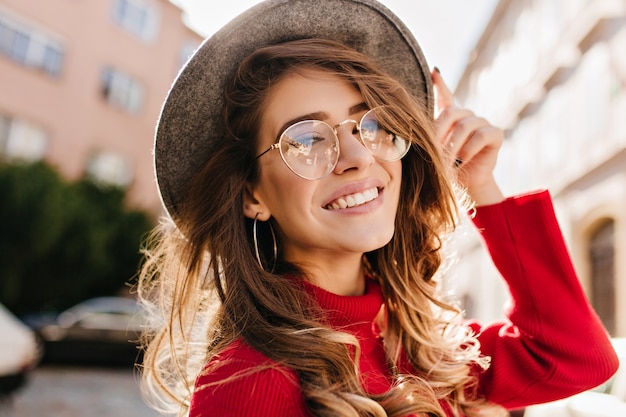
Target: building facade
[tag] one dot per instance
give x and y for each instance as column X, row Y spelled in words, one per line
column 82, row 84
column 552, row 74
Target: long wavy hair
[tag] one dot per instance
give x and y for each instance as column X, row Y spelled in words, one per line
column 205, row 289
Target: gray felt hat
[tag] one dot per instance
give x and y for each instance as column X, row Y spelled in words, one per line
column 191, row 117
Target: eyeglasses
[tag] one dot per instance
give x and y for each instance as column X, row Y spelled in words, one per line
column 310, row 148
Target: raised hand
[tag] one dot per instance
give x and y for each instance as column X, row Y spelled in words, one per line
column 471, row 143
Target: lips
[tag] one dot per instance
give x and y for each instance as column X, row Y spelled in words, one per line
column 353, row 200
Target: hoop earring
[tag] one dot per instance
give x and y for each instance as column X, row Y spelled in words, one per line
column 256, row 244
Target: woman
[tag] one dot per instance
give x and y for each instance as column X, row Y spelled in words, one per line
column 311, row 190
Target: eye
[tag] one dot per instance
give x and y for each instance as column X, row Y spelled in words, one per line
column 309, row 140
column 304, row 144
column 295, row 144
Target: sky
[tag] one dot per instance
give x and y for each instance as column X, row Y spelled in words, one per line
column 447, row 30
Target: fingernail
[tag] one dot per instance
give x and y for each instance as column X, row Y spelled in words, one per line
column 437, row 70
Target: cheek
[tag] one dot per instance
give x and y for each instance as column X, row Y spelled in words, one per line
column 396, row 190
column 284, row 192
column 394, row 170
column 289, row 202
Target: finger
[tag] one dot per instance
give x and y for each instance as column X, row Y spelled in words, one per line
column 463, row 131
column 444, row 96
column 482, row 141
column 447, row 121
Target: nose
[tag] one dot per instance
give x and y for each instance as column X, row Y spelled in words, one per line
column 352, row 152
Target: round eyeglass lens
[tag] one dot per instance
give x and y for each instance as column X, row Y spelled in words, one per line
column 381, row 142
column 310, row 149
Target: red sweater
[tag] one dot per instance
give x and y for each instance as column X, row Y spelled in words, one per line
column 552, row 345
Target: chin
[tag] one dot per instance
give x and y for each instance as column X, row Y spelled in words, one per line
column 381, row 239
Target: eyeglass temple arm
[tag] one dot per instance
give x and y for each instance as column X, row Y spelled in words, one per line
column 274, row 146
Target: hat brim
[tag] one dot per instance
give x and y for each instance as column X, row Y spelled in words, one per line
column 191, row 117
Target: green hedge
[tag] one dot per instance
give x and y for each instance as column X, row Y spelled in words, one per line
column 62, row 242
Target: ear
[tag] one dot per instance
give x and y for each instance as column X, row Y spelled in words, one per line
column 253, row 205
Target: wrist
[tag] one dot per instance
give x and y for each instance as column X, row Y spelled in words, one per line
column 486, row 194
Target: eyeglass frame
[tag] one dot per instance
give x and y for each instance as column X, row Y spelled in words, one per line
column 357, row 127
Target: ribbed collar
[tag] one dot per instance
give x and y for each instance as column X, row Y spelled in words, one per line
column 346, row 311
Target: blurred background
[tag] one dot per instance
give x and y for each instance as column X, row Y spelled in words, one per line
column 81, row 86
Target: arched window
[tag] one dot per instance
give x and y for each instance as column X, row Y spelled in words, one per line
column 602, row 257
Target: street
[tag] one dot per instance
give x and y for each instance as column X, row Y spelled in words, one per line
column 61, row 391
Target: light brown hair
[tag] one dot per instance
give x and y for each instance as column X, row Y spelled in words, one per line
column 203, row 278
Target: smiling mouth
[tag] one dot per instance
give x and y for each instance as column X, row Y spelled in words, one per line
column 353, row 200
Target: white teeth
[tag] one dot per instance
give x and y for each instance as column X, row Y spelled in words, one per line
column 353, row 200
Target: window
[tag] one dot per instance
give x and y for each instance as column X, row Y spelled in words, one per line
column 595, row 93
column 137, row 17
column 110, row 168
column 5, row 123
column 23, row 140
column 186, row 51
column 121, row 90
column 602, row 257
column 30, row 47
column 553, row 145
column 52, row 60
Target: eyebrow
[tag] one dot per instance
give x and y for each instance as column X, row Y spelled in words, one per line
column 320, row 115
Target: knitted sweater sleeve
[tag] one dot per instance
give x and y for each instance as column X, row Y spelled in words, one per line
column 243, row 382
column 553, row 345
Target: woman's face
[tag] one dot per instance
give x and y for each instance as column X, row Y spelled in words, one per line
column 315, row 225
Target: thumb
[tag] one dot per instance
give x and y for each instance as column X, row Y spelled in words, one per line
column 443, row 95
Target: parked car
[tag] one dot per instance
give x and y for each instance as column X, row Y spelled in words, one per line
column 98, row 331
column 607, row 400
column 19, row 352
